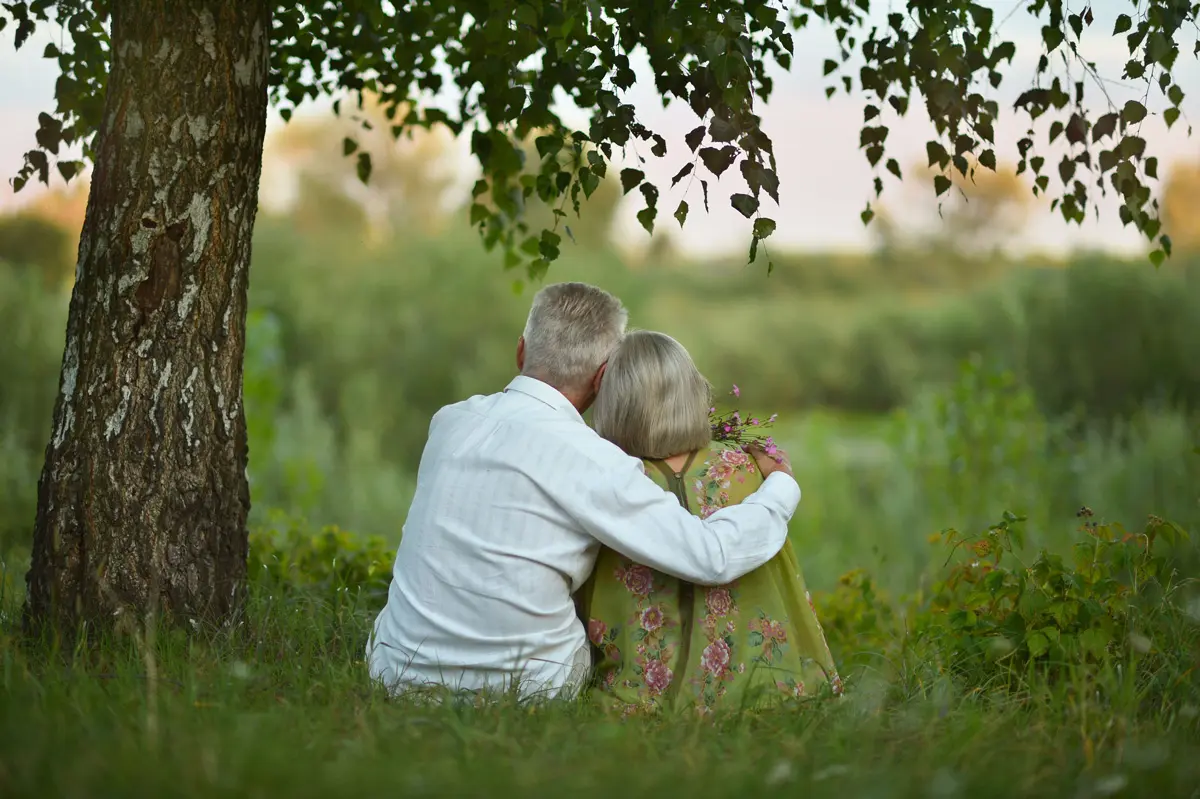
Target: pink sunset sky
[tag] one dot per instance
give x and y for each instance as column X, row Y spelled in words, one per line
column 825, row 179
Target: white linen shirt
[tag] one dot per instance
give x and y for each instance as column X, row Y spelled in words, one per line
column 515, row 494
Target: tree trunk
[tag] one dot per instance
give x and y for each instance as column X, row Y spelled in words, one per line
column 143, row 498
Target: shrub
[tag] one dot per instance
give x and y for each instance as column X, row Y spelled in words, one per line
column 332, row 565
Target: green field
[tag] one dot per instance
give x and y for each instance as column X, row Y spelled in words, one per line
column 914, row 396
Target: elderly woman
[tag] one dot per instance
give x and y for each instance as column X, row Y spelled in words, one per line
column 664, row 643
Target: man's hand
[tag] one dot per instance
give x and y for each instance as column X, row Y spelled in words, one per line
column 776, row 461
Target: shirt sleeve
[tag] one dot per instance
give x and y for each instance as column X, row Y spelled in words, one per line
column 627, row 511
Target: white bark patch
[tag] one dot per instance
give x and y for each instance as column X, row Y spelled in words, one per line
column 115, row 422
column 70, row 375
column 164, row 377
column 185, row 302
column 133, row 124
column 243, row 71
column 187, row 397
column 131, row 48
column 200, row 213
column 139, row 246
column 143, row 348
column 164, row 51
column 198, row 127
column 226, row 419
column 176, row 130
column 206, row 34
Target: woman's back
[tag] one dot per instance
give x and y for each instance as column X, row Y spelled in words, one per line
column 662, row 642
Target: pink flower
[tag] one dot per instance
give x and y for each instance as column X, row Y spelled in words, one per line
column 737, row 392
column 754, row 422
column 715, row 659
column 596, row 631
column 720, row 471
column 657, row 675
column 774, row 416
column 639, row 580
column 652, row 618
column 734, row 457
column 719, row 602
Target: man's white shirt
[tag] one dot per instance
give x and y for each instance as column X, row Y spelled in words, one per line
column 515, row 495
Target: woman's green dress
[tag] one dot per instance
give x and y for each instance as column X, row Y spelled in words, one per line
column 663, row 643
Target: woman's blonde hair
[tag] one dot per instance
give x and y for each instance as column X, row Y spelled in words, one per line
column 653, row 402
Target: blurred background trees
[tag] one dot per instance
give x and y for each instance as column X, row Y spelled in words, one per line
column 371, row 308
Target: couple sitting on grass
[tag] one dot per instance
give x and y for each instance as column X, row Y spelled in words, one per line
column 640, row 558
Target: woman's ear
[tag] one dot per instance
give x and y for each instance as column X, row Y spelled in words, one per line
column 521, row 354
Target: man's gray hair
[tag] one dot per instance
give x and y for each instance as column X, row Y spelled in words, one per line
column 571, row 331
column 653, row 401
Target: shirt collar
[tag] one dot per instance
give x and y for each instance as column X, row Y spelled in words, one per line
column 543, row 392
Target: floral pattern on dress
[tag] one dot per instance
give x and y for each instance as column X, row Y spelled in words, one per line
column 661, row 643
column 714, row 478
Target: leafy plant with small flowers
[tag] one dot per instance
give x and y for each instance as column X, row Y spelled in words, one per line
column 1113, row 608
column 745, row 431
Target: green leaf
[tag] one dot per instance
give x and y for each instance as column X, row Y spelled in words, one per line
column 1124, row 23
column 1052, row 36
column 681, row 174
column 763, row 227
column 1133, row 112
column 1175, row 94
column 867, row 215
column 1157, row 257
column 479, row 214
column 722, row 130
column 937, row 154
column 695, row 138
column 1038, row 644
column 631, row 179
column 363, row 167
column 941, row 184
column 1171, row 116
column 988, row 159
column 745, row 204
column 69, row 169
column 830, row 66
column 646, row 218
column 548, row 145
column 717, row 161
column 1094, row 641
column 1105, row 126
column 681, row 212
column 894, row 168
column 349, row 145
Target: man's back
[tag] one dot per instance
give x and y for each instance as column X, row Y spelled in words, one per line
column 482, row 585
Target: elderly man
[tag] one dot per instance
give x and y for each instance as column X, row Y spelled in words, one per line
column 515, row 494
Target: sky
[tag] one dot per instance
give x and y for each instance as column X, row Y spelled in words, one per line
column 825, row 179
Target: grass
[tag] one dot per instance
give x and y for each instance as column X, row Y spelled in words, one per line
column 281, row 706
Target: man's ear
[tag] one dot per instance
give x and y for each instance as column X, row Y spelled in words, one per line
column 521, row 354
column 599, row 377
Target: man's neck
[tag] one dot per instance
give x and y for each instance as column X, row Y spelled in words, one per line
column 579, row 400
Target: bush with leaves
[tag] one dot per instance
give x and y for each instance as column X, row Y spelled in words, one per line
column 1116, row 607
column 332, row 564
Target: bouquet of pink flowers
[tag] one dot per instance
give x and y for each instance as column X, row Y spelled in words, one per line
column 745, row 432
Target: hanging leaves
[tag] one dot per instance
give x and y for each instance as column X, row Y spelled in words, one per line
column 949, row 57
